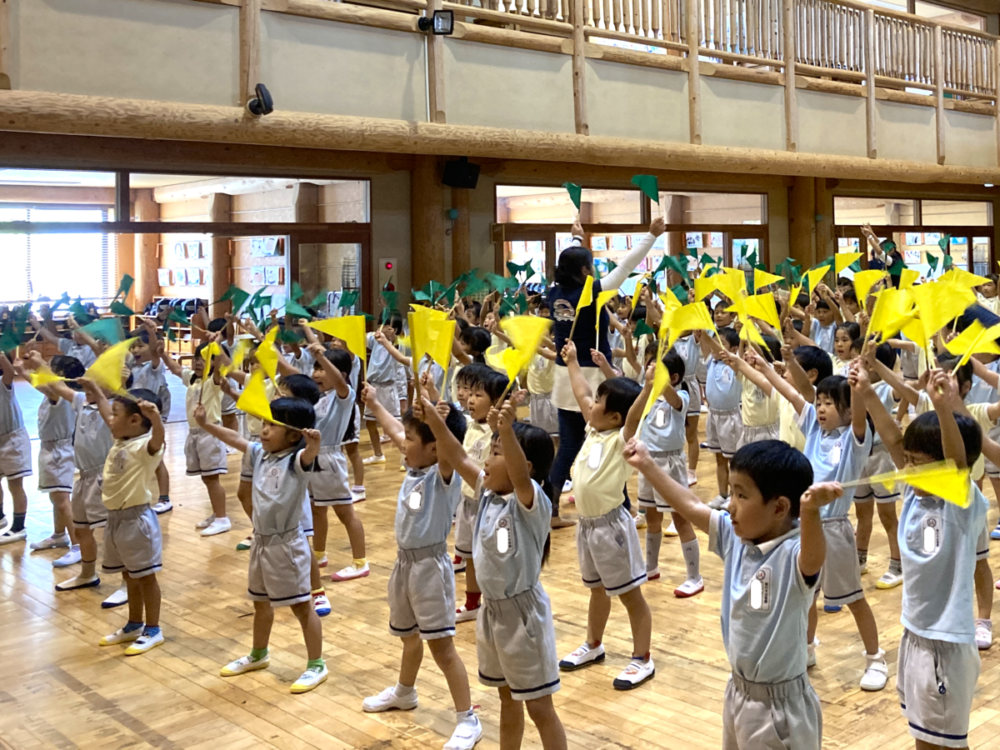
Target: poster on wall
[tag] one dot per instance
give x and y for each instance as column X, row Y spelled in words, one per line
column 163, row 276
column 914, row 238
column 256, row 247
column 619, row 242
column 193, row 250
column 912, row 257
column 257, row 275
column 179, row 251
column 932, row 238
column 599, row 243
column 271, row 275
column 693, row 240
column 715, row 239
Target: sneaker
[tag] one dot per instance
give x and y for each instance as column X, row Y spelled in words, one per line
column 387, row 700
column 4, row 522
column 70, row 558
column 692, row 478
column 218, row 526
column 245, row 664
column 310, row 680
column 51, row 542
column 582, row 657
column 811, row 651
column 718, row 502
column 358, row 494
column 703, row 446
column 121, row 636
column 864, row 569
column 117, row 599
column 373, row 460
column 350, row 573
column 385, row 439
column 636, row 673
column 640, row 520
column 704, row 408
column 876, row 672
column 832, row 608
column 230, row 450
column 145, row 643
column 654, row 574
column 467, row 734
column 458, row 564
column 890, row 579
column 321, row 604
column 984, row 634
column 322, row 562
column 671, row 530
column 402, row 467
column 464, row 614
column 163, row 506
column 9, row 537
column 690, row 587
column 567, row 486
column 206, row 523
column 78, row 582
column 245, row 544
column 995, row 534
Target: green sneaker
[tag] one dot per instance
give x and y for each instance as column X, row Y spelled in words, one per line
column 245, row 544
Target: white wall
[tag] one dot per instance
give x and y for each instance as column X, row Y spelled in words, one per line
column 628, row 101
column 831, row 124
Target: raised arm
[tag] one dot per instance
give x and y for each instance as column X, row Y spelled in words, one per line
column 581, row 389
column 885, row 425
column 617, row 277
column 100, row 399
column 812, row 540
column 799, row 377
column 745, row 367
column 985, row 373
column 602, row 362
column 634, row 417
column 514, row 458
column 789, row 392
column 943, row 391
column 392, row 426
column 150, row 412
column 859, row 404
column 340, row 384
column 171, row 364
column 308, row 455
column 393, row 351
column 43, row 330
column 682, row 500
column 7, row 369
column 227, row 436
column 450, row 453
column 900, row 388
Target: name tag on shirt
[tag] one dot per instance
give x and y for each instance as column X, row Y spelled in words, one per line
column 594, row 459
column 661, row 417
column 760, row 590
column 273, row 479
column 415, row 501
column 835, row 452
column 931, row 534
column 504, row 535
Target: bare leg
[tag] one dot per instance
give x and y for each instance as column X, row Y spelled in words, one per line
column 921, row 745
column 353, row 451
column 597, row 615
column 355, row 530
column 62, row 513
column 88, row 552
column 471, row 584
column 865, row 620
column 890, row 522
column 216, row 495
column 984, row 589
column 263, row 619
column 543, row 712
column 321, row 528
column 693, row 446
column 413, row 654
column 135, row 600
column 865, row 511
column 163, row 479
column 722, row 474
column 312, row 629
column 230, row 422
column 150, row 597
column 16, row 487
column 511, row 721
column 641, row 620
column 315, row 582
column 373, row 434
column 450, row 663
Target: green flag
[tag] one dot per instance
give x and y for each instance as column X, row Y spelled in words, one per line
column 420, row 295
column 945, row 244
column 349, row 299
column 475, row 286
column 80, row 312
column 642, row 327
column 676, row 264
column 499, row 283
column 524, row 268
column 507, row 307
column 287, row 335
column 296, row 293
column 897, row 267
column 124, row 287
column 649, row 185
column 178, row 317
column 932, row 261
column 946, row 262
column 319, row 300
column 681, row 293
column 575, row 193
column 9, row 340
column 108, row 330
column 235, row 295
column 296, row 310
column 117, row 308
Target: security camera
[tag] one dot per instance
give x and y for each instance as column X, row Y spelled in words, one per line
column 263, row 104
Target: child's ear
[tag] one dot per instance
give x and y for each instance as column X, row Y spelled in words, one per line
column 782, row 507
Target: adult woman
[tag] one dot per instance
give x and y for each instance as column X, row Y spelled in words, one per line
column 575, row 264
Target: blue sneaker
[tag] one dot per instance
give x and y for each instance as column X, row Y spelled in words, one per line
column 995, row 534
column 321, row 604
column 832, row 607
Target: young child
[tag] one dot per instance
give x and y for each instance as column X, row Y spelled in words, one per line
column 422, row 584
column 383, row 374
column 759, row 406
column 843, row 338
column 986, row 294
column 607, row 542
column 690, row 351
column 79, row 345
column 773, row 547
column 823, row 327
column 15, row 455
column 722, row 393
column 540, row 381
column 133, row 544
column 280, row 554
column 663, row 431
column 149, row 372
column 515, row 637
column 205, row 454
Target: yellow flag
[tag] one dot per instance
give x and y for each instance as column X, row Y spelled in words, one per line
column 349, row 328
column 693, row 317
column 908, row 277
column 422, row 311
column 763, row 278
column 940, row 303
column 750, row 332
column 762, row 306
column 891, row 312
column 43, row 376
column 962, row 278
column 602, row 299
column 440, row 338
column 704, row 286
column 843, row 260
column 976, row 339
column 504, row 360
column 526, row 333
column 794, row 294
column 107, row 369
column 267, row 355
column 815, row 276
column 863, row 282
column 660, row 381
column 731, row 282
column 670, row 305
column 914, row 331
column 239, row 354
column 941, row 478
column 587, row 295
column 212, row 350
column 637, row 295
column 253, row 400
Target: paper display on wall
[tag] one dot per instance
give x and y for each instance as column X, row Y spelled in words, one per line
column 163, row 276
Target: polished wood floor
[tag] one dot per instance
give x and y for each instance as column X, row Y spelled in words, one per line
column 59, row 689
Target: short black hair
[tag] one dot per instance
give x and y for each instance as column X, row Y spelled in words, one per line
column 619, row 395
column 732, row 338
column 475, row 306
column 963, row 374
column 852, row 329
column 302, row 387
column 885, row 354
column 472, row 373
column 822, row 305
column 339, row 358
column 297, row 413
column 216, row 324
column 638, row 314
column 814, row 358
column 674, row 363
column 771, row 349
column 395, row 322
column 67, row 367
column 131, row 405
column 776, row 468
column 923, row 435
column 838, row 390
column 492, row 382
column 477, row 339
column 461, row 324
column 850, row 294
column 797, row 324
column 455, row 422
column 142, row 335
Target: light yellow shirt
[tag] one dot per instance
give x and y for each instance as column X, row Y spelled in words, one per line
column 478, row 438
column 600, row 473
column 209, row 394
column 541, row 375
column 788, row 424
column 640, row 355
column 129, row 471
column 256, row 424
column 757, row 409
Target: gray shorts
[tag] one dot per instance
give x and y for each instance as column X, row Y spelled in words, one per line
column 840, row 579
column 673, row 463
column 983, row 542
column 228, row 405
column 15, row 454
column 279, row 569
column 88, row 508
column 306, row 519
column 385, row 394
column 205, row 454
column 723, row 430
column 164, row 394
column 422, row 593
column 328, row 485
column 465, row 524
column 609, row 552
column 133, row 543
column 935, row 681
column 879, row 462
column 542, row 412
column 694, row 394
column 775, row 716
column 516, row 644
column 750, row 434
column 401, row 389
column 356, row 423
column 56, row 465
column 992, row 470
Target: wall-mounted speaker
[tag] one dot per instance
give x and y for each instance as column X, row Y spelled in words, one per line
column 459, row 173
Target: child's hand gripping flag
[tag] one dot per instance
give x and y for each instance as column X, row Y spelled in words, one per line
column 941, row 478
column 107, row 369
column 267, row 355
column 43, row 376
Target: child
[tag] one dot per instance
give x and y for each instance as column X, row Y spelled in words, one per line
column 986, row 294
column 148, row 372
column 205, row 454
column 383, row 374
column 280, row 554
column 688, row 348
column 663, row 431
column 823, row 327
column 541, row 379
column 422, row 584
column 79, row 345
column 843, row 337
column 15, row 455
column 515, row 637
column 722, row 392
column 773, row 546
column 759, row 412
column 133, row 545
column 607, row 543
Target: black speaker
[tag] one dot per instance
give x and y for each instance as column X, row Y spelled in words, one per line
column 460, row 174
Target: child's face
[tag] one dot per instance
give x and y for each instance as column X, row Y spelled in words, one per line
column 722, row 318
column 842, row 345
column 824, row 316
column 462, row 392
column 139, row 350
column 389, row 332
column 989, row 289
column 489, row 320
column 853, row 306
column 915, row 458
column 274, row 438
column 602, row 420
column 495, row 476
column 624, row 310
column 124, row 424
column 322, row 378
column 479, row 403
column 417, row 453
column 827, row 415
column 544, row 312
column 470, row 315
column 753, row 519
column 198, row 365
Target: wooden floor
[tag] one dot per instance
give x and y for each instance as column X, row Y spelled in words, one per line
column 59, row 689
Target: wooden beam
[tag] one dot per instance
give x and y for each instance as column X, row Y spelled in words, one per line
column 123, row 196
column 579, row 71
column 694, row 74
column 347, row 13
column 130, row 118
column 186, row 191
column 5, row 44
column 435, row 71
column 146, row 260
column 823, row 214
column 426, row 222
column 791, row 101
column 220, row 212
column 996, row 82
column 802, row 221
column 249, row 49
column 461, row 233
column 939, row 121
column 870, row 126
column 144, row 226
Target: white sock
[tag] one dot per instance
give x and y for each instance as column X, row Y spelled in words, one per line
column 653, row 542
column 691, row 559
column 469, row 715
column 402, row 690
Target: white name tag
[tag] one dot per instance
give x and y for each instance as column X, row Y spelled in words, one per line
column 661, row 417
column 594, row 460
column 760, row 590
column 835, row 452
column 931, row 534
column 415, row 500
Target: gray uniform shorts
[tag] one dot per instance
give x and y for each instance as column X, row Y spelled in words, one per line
column 228, row 405
column 88, row 507
column 356, row 422
column 328, row 485
column 385, row 394
column 609, row 552
column 983, row 542
column 422, row 593
column 516, row 644
column 723, row 430
column 15, row 455
column 543, row 413
column 840, row 578
column 132, row 542
column 992, row 470
column 694, row 400
column 205, row 454
column 935, row 681
column 879, row 462
column 465, row 524
column 279, row 569
column 776, row 716
column 56, row 465
column 673, row 463
column 750, row 434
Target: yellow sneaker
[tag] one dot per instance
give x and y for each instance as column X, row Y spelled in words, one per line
column 310, row 680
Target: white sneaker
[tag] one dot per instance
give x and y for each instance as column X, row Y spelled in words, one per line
column 163, row 506
column 463, row 614
column 144, row 643
column 51, row 542
column 70, row 558
column 4, row 522
column 120, row 636
column 78, row 582
column 117, row 599
column 811, row 653
column 567, row 486
column 321, row 603
column 636, row 673
column 654, row 574
column 350, row 573
column 718, row 502
column 863, row 567
column 671, row 530
column 692, row 478
column 206, row 523
column 467, row 734
column 458, row 564
column 984, row 634
column 310, row 680
column 230, row 450
column 373, row 460
column 690, row 587
column 358, row 494
column 322, row 562
column 9, row 537
column 876, row 671
column 582, row 657
column 889, row 580
column 218, row 526
column 640, row 521
column 243, row 665
column 388, row 700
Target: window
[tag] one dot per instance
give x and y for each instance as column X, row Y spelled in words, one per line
column 714, row 208
column 955, row 213
column 519, row 204
column 874, row 211
column 941, row 14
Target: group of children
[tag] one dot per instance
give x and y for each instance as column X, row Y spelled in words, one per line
column 793, row 423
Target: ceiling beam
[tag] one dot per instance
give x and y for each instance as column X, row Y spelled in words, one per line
column 187, row 191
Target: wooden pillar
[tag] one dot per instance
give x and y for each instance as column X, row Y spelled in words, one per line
column 870, row 83
column 125, row 248
column 694, row 74
column 791, row 102
column 996, row 94
column 939, row 92
column 147, row 260
column 676, row 241
column 426, row 222
column 249, row 49
column 435, row 68
column 802, row 221
column 308, row 260
column 5, row 37
column 461, row 233
column 220, row 210
column 826, row 244
column 579, row 70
